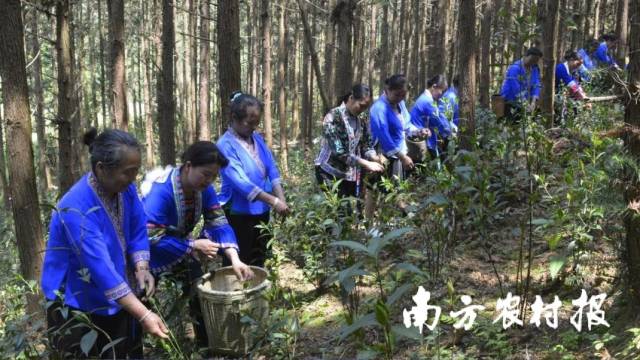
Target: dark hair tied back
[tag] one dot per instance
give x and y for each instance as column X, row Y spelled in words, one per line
column 107, row 148
column 358, row 91
column 534, row 51
column 438, row 80
column 395, row 82
column 204, row 153
column 240, row 102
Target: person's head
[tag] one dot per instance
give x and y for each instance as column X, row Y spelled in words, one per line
column 358, row 99
column 245, row 113
column 201, row 163
column 591, row 46
column 115, row 158
column 396, row 88
column 437, row 85
column 611, row 39
column 455, row 81
column 573, row 59
column 532, row 56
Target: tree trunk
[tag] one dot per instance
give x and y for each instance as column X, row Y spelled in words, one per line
column 24, row 195
column 439, row 52
column 329, row 54
column 314, row 57
column 4, row 182
column 166, row 101
column 282, row 79
column 304, row 87
column 385, row 57
column 596, row 18
column 371, row 58
column 506, row 32
column 621, row 30
column 190, row 80
column 266, row 71
column 294, row 80
column 467, row 54
column 44, row 172
column 632, row 141
column 118, row 72
column 416, row 81
column 228, row 28
column 204, row 129
column 485, row 42
column 103, row 81
column 577, row 36
column 550, row 34
column 67, row 104
column 342, row 16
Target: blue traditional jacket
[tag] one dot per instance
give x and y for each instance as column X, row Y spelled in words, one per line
column 520, row 86
column 587, row 65
column 171, row 219
column 426, row 114
column 93, row 247
column 251, row 170
column 388, row 129
column 602, row 55
column 449, row 105
column 565, row 78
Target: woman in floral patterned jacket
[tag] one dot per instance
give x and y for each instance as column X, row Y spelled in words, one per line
column 346, row 143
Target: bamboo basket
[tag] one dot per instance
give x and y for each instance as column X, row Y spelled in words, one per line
column 224, row 300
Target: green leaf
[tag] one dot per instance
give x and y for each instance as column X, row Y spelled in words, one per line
column 554, row 240
column 410, row 267
column 541, row 221
column 377, row 244
column 356, row 246
column 408, row 333
column 111, row 344
column 361, row 322
column 555, row 265
column 437, row 199
column 88, row 340
column 382, row 313
column 397, row 294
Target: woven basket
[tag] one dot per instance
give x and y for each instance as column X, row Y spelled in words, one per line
column 224, row 300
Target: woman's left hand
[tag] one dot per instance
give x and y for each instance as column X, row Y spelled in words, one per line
column 146, row 282
column 243, row 271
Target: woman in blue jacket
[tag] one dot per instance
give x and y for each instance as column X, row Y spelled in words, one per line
column 97, row 256
column 251, row 184
column 426, row 114
column 175, row 199
column 521, row 86
column 391, row 125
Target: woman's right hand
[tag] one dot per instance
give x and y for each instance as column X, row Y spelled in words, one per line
column 372, row 166
column 406, row 161
column 206, row 247
column 154, row 325
column 281, row 207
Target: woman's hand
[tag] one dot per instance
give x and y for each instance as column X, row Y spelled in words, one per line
column 145, row 281
column 242, row 270
column 206, row 247
column 154, row 325
column 406, row 161
column 372, row 166
column 280, row 206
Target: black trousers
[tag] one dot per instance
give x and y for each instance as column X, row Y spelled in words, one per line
column 65, row 331
column 251, row 240
column 187, row 273
column 345, row 189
